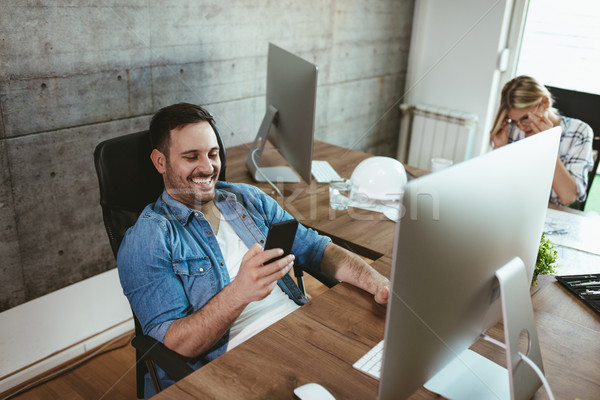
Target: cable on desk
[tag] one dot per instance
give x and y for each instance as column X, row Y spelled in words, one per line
column 528, row 360
column 262, row 174
column 298, row 273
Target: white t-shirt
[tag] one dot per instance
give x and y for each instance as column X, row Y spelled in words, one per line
column 259, row 314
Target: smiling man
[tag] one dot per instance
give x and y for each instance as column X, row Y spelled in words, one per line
column 190, row 165
column 193, row 267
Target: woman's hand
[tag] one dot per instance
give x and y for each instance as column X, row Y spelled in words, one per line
column 539, row 123
column 500, row 138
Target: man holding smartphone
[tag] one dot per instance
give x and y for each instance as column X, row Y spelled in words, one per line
column 193, row 267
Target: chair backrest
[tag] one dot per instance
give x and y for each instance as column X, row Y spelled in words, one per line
column 129, row 181
column 583, row 106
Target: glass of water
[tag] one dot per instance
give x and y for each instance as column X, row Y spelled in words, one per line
column 339, row 194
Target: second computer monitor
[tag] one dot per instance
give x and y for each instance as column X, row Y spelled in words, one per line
column 289, row 118
column 462, row 225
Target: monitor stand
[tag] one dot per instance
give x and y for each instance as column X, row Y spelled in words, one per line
column 266, row 174
column 472, row 376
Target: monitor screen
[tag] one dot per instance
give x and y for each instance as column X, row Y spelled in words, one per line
column 459, row 226
column 289, row 118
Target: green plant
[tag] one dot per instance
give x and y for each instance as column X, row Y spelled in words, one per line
column 546, row 259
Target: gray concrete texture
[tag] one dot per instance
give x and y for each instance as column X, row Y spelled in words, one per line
column 73, row 73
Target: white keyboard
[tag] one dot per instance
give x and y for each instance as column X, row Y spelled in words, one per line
column 324, row 172
column 370, row 363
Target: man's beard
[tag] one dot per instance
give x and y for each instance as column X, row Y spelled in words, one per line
column 188, row 192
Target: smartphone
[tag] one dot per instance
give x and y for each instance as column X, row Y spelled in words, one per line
column 281, row 235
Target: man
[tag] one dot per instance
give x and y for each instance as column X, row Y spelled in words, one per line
column 193, row 267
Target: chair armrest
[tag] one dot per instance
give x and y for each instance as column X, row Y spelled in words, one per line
column 169, row 361
column 324, row 278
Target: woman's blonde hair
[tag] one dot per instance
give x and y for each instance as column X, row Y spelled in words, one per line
column 520, row 92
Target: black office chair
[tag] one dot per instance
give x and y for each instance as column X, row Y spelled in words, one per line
column 583, row 106
column 128, row 182
column 594, row 171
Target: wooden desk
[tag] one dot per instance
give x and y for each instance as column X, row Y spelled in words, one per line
column 309, row 204
column 320, row 341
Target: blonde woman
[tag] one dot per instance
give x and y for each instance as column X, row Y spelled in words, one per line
column 526, row 109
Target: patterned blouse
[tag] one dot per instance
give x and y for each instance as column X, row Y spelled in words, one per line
column 575, row 152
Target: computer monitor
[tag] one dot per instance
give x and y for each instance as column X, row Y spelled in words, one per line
column 289, row 118
column 460, row 226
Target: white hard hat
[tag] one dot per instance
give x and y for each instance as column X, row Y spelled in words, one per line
column 378, row 179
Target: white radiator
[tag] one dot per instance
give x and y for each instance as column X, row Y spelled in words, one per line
column 428, row 132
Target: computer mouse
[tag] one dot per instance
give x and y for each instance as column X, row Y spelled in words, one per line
column 313, row 391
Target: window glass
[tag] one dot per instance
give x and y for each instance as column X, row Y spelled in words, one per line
column 561, row 44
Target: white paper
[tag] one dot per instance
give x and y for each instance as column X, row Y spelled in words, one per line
column 573, row 230
column 390, row 210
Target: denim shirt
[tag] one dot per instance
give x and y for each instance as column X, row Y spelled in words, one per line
column 170, row 263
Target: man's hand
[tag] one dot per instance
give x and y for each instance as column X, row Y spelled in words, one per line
column 257, row 276
column 382, row 296
column 348, row 267
column 194, row 334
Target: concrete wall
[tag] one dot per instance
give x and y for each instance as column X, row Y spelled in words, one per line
column 73, row 73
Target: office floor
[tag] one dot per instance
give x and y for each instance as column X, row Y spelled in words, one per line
column 110, row 375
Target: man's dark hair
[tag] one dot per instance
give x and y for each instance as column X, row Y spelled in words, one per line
column 173, row 117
